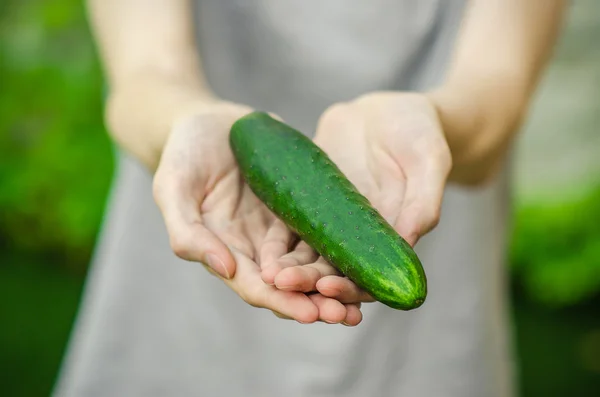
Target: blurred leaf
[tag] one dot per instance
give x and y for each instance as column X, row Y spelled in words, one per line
column 56, row 160
column 556, row 250
column 55, row 157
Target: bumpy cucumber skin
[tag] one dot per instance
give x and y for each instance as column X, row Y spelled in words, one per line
column 309, row 193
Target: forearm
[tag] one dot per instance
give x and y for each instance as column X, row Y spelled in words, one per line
column 152, row 67
column 501, row 51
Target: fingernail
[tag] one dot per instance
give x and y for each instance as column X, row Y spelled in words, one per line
column 217, row 265
column 345, row 323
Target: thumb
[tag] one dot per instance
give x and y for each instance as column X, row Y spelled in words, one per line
column 189, row 238
column 421, row 207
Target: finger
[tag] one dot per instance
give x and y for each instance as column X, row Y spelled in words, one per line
column 255, row 228
column 426, row 167
column 304, row 278
column 390, row 181
column 276, row 243
column 353, row 315
column 248, row 284
column 303, row 254
column 257, row 219
column 342, row 289
column 189, row 238
column 421, row 208
column 281, row 315
column 331, row 311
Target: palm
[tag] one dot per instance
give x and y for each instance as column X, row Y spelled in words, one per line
column 235, row 215
column 367, row 164
column 208, row 208
column 392, row 148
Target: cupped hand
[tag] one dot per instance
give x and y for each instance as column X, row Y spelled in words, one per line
column 392, row 147
column 212, row 216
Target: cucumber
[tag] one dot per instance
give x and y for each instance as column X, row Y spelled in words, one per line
column 302, row 186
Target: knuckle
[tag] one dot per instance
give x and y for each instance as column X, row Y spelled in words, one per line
column 274, row 241
column 181, row 247
column 335, row 113
column 445, row 158
column 157, row 187
column 438, row 156
column 251, row 297
column 431, row 219
column 434, row 218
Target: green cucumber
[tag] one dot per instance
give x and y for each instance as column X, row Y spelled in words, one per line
column 302, row 186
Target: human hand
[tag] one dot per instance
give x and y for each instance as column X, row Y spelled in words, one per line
column 392, row 147
column 212, row 216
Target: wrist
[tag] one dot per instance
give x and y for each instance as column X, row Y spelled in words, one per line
column 479, row 122
column 140, row 113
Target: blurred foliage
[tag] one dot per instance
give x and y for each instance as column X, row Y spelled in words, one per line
column 56, row 164
column 38, row 302
column 55, row 158
column 555, row 250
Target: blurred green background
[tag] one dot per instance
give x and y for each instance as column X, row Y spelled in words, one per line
column 56, row 164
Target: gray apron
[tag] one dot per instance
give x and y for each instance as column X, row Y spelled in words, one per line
column 153, row 325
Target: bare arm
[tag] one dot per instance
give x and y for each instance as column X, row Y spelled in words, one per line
column 501, row 52
column 162, row 111
column 153, row 69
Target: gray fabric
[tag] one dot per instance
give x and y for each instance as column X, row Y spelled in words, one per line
column 153, row 325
